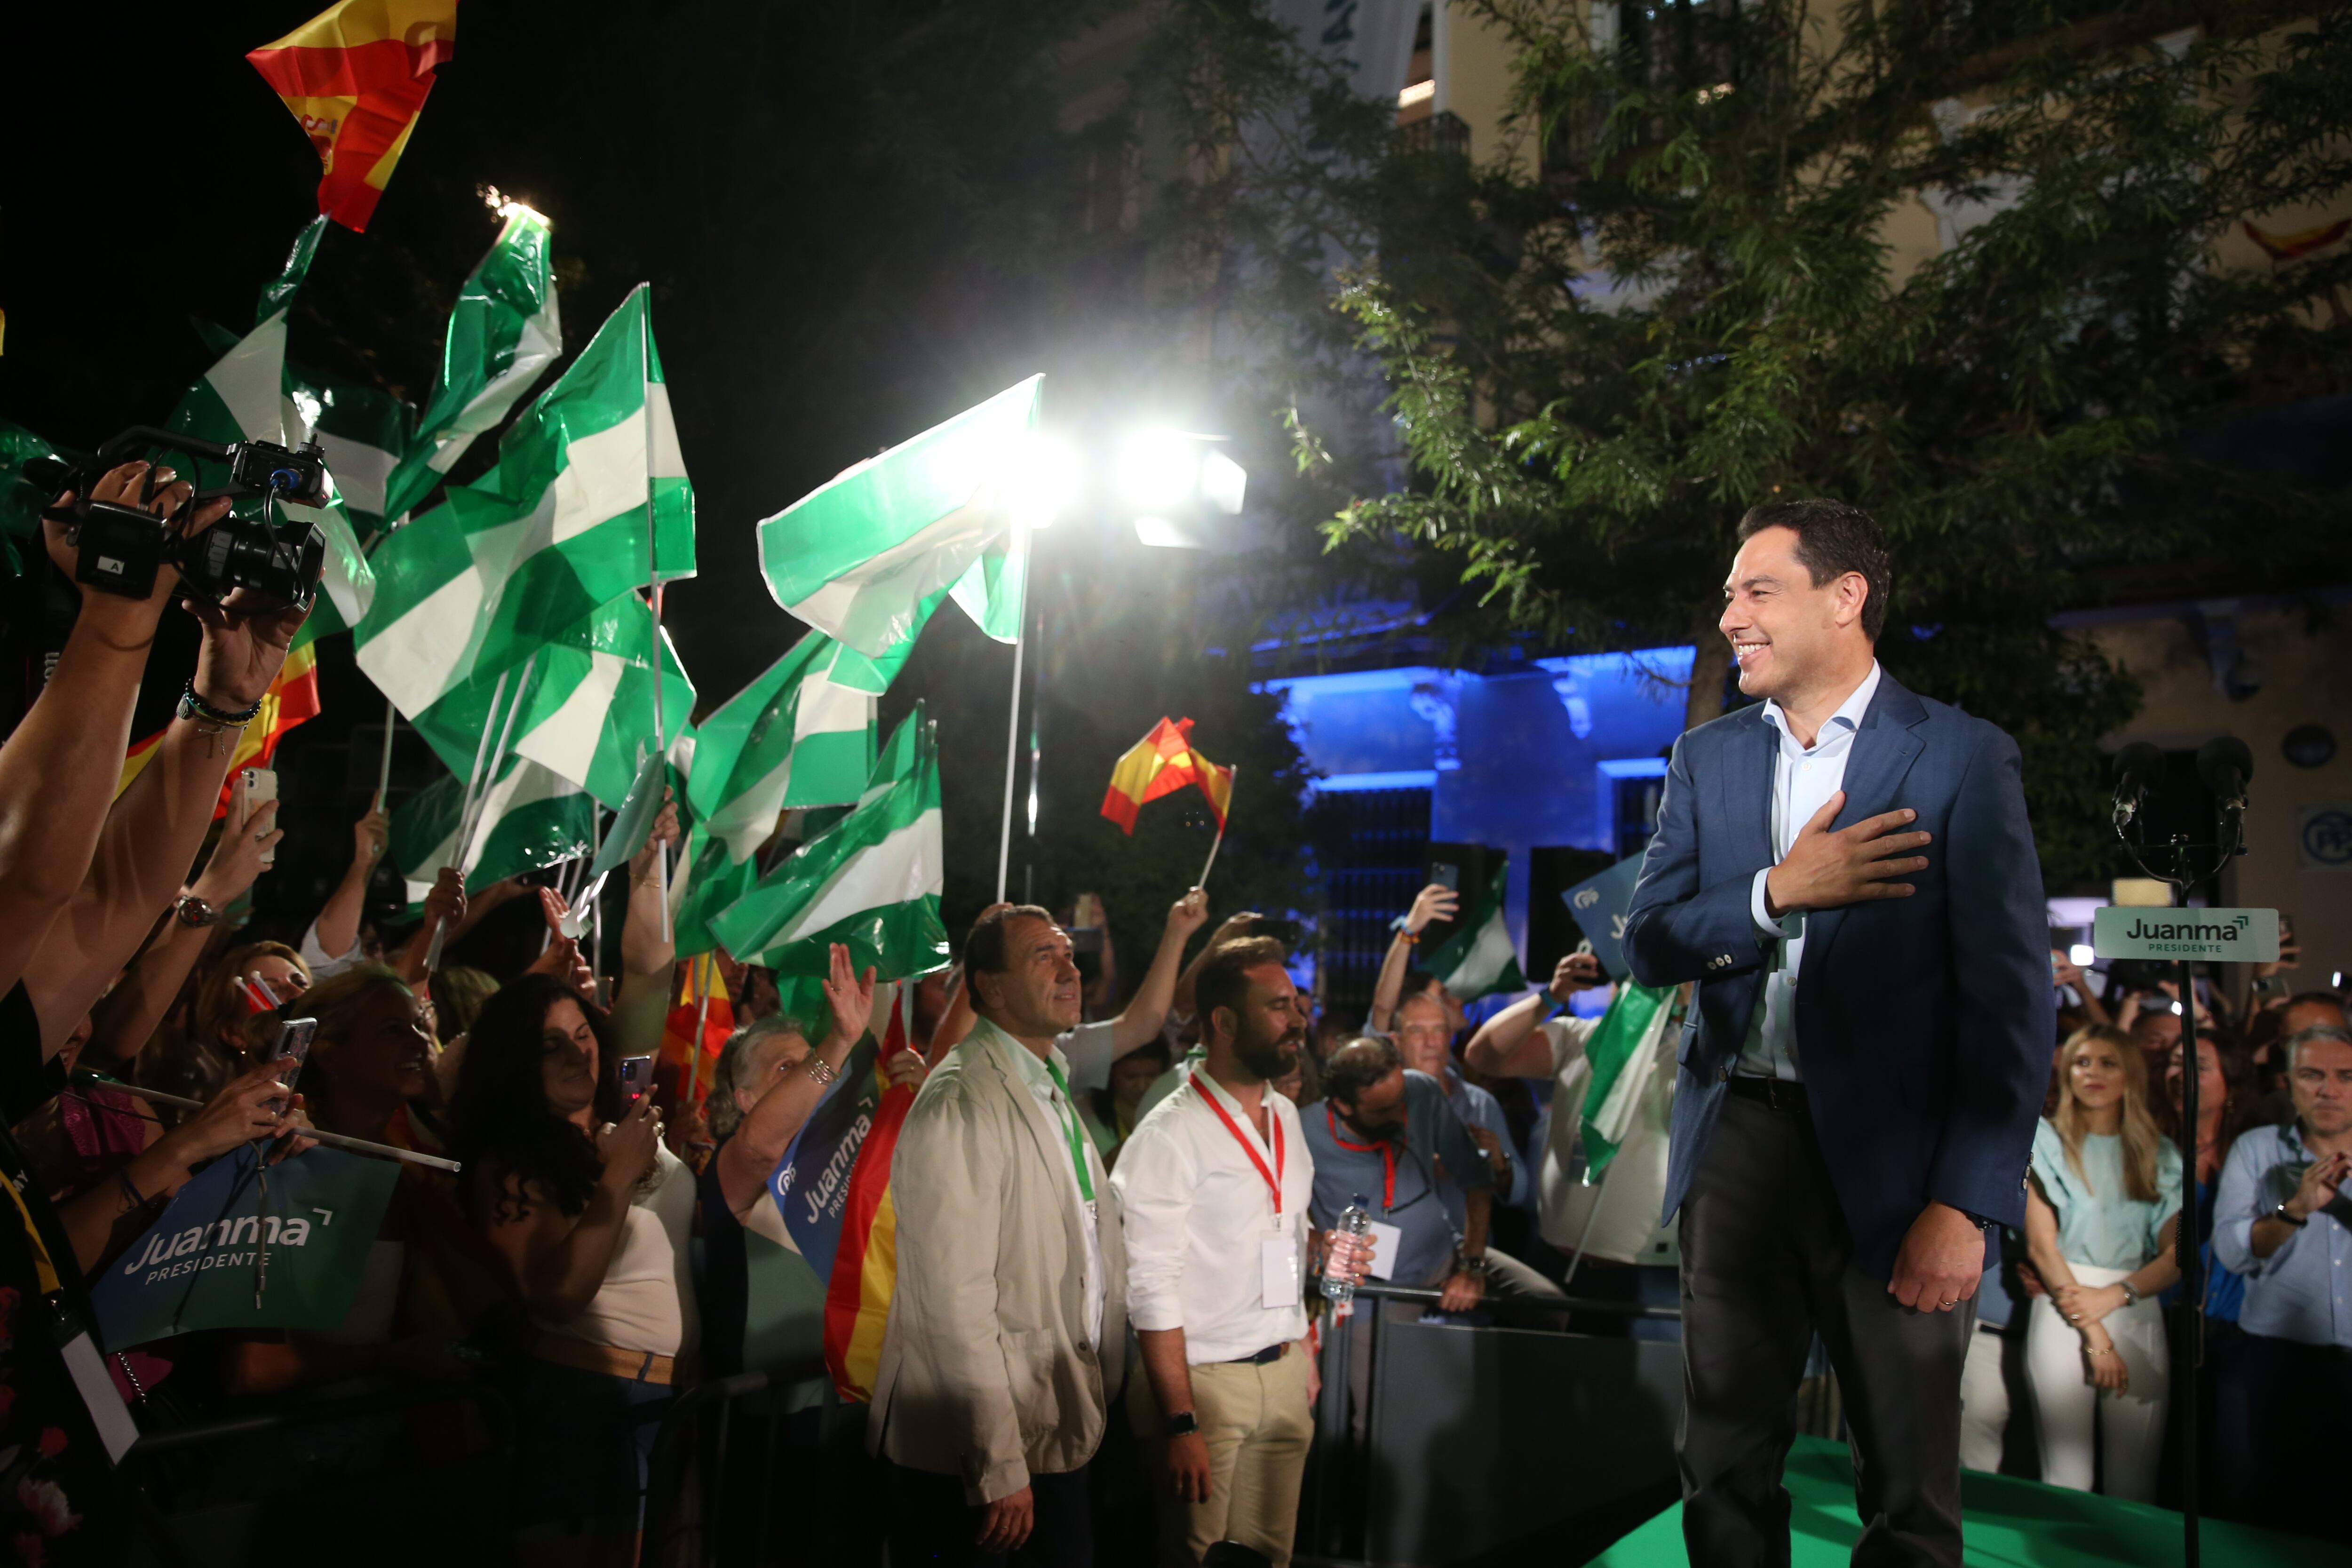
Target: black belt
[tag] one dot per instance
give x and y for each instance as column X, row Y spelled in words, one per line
column 1266, row 1357
column 1777, row 1093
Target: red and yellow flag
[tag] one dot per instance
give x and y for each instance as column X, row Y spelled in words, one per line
column 292, row 698
column 356, row 75
column 702, row 982
column 1160, row 764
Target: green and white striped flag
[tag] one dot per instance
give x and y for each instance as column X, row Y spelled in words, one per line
column 532, row 819
column 1624, row 1052
column 557, row 530
column 872, row 880
column 587, row 708
column 247, row 396
column 361, row 431
column 866, row 557
column 1480, row 959
column 503, row 335
column 797, row 736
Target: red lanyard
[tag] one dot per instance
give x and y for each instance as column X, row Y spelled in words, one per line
column 1388, row 1158
column 1273, row 1177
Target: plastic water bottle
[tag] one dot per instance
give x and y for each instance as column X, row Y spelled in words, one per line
column 1348, row 1244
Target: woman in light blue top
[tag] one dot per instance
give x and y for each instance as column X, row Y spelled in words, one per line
column 2098, row 1226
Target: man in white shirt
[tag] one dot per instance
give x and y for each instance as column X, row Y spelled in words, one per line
column 1214, row 1187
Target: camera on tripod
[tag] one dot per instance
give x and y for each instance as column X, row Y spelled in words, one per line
column 119, row 547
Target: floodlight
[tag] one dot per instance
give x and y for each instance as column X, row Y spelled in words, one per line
column 1041, row 482
column 2080, row 955
column 1158, row 471
column 1221, row 483
column 1162, row 534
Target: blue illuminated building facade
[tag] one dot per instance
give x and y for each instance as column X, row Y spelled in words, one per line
column 1560, row 752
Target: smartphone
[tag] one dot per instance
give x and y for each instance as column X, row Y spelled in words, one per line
column 260, row 790
column 294, row 1037
column 1444, row 876
column 637, row 1077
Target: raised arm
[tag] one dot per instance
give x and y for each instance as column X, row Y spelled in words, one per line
column 152, row 832
column 748, row 1158
column 338, row 926
column 1147, row 1010
column 1434, row 902
column 559, row 1260
column 59, row 770
column 1508, row 1045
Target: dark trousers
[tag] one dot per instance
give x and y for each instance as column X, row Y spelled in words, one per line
column 1767, row 1265
column 932, row 1523
column 2296, row 1395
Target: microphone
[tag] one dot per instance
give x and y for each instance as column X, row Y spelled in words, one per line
column 2225, row 764
column 2135, row 767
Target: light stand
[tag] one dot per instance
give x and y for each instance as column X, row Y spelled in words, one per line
column 2225, row 764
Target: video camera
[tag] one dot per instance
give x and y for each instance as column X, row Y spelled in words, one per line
column 119, row 547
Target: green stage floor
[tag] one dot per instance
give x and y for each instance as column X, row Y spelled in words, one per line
column 2011, row 1524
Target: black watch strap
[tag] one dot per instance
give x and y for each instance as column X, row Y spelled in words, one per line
column 1183, row 1423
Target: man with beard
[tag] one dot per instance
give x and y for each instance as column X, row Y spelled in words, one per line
column 1214, row 1187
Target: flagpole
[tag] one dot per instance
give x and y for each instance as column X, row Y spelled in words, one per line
column 653, row 572
column 1011, row 748
column 465, row 814
column 701, row 1018
column 1215, row 843
column 472, row 823
column 593, row 892
column 384, row 768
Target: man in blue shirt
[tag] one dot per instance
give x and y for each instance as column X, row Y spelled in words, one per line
column 2284, row 1221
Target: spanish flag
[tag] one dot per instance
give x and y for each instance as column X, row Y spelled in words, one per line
column 1161, row 764
column 356, row 75
column 701, row 983
column 292, row 698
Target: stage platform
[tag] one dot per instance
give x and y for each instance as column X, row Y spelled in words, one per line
column 2011, row 1524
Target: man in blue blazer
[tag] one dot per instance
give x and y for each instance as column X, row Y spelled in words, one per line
column 1847, row 872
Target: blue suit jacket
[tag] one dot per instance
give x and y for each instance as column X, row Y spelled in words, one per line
column 1923, row 1024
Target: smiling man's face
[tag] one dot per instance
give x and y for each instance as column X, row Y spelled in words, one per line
column 1784, row 628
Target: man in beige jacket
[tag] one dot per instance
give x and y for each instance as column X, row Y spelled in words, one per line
column 1007, row 1331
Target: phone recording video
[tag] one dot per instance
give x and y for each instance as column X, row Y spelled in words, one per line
column 637, row 1077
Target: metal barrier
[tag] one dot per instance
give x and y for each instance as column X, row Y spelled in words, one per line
column 691, row 1507
column 1444, row 1443
column 242, row 1531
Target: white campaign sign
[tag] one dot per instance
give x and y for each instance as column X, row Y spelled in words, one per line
column 2210, row 936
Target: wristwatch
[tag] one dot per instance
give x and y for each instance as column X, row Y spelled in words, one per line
column 194, row 912
column 2280, row 1215
column 2131, row 1293
column 1183, row 1423
column 1473, row 1266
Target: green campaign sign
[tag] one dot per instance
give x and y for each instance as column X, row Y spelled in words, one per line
column 242, row 1247
column 2205, row 936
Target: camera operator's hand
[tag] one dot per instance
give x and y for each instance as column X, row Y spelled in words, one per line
column 237, row 859
column 123, row 485
column 246, row 638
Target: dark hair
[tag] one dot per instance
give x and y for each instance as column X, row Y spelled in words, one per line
column 499, row 1115
column 984, row 950
column 1833, row 539
column 1357, row 1065
column 1224, row 979
column 1105, row 1099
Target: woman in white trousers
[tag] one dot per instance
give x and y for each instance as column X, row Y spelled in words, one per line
column 2098, row 1226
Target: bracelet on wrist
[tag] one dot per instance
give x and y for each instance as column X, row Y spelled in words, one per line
column 194, row 706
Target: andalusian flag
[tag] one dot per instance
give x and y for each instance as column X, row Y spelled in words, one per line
column 586, row 702
column 1480, row 959
column 797, row 736
column 872, row 880
column 589, row 501
column 868, row 556
column 532, row 819
column 503, row 335
column 356, row 75
column 832, row 1187
column 1624, row 1052
column 1161, row 764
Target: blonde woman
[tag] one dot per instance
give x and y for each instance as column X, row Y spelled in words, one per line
column 2099, row 1228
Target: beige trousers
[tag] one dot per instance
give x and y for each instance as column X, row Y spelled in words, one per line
column 1257, row 1424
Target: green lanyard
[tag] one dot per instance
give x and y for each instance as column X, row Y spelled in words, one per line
column 1069, row 1119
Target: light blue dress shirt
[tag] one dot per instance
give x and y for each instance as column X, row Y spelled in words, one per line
column 2304, row 1291
column 1802, row 781
column 2098, row 1223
